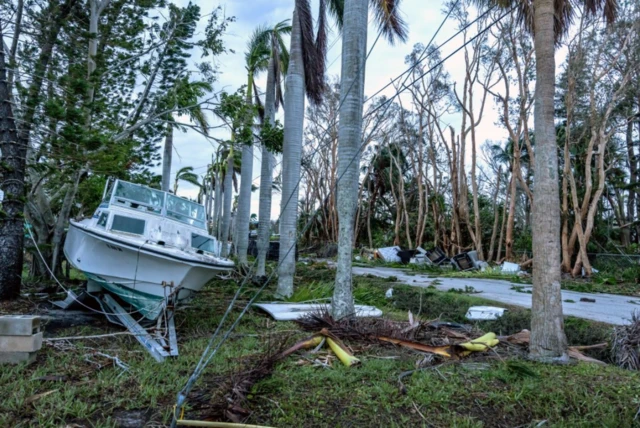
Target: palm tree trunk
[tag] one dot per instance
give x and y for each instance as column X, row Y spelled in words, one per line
column 354, row 45
column 244, row 198
column 226, row 216
column 217, row 204
column 547, row 324
column 496, row 216
column 264, row 210
column 166, row 159
column 291, row 155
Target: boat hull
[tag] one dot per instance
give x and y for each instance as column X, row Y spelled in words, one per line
column 140, row 273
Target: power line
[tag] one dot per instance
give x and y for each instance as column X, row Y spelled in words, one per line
column 182, row 395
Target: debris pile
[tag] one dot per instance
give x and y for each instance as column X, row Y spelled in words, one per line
column 626, row 344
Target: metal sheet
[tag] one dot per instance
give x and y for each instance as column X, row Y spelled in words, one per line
column 293, row 311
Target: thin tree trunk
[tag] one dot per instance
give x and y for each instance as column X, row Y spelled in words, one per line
column 502, row 227
column 226, row 216
column 63, row 219
column 266, row 174
column 217, row 204
column 508, row 244
column 354, row 44
column 496, row 216
column 166, row 159
column 291, row 155
column 14, row 44
column 547, row 323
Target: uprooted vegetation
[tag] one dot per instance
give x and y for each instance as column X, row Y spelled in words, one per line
column 72, row 383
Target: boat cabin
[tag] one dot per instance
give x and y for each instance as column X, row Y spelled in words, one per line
column 134, row 210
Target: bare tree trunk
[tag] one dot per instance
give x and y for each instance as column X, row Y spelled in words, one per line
column 496, row 216
column 63, row 218
column 511, row 216
column 502, row 227
column 166, row 159
column 354, row 44
column 547, row 323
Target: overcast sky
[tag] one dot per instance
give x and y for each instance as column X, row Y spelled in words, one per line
column 385, row 63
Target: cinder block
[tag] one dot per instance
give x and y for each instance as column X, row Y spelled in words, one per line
column 21, row 343
column 19, row 325
column 17, row 357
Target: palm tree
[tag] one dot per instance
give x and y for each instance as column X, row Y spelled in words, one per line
column 187, row 175
column 184, row 94
column 549, row 21
column 257, row 60
column 278, row 63
column 354, row 46
column 305, row 75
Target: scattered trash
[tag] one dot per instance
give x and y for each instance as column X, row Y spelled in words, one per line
column 588, row 300
column 420, row 257
column 482, row 343
column 437, row 257
column 388, row 254
column 389, row 293
column 508, row 267
column 294, row 311
column 483, row 313
column 357, row 258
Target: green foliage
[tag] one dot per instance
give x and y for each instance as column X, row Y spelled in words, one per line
column 272, row 136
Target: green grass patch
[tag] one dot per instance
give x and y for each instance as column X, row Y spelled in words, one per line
column 88, row 390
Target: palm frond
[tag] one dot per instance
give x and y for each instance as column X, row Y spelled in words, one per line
column 608, row 8
column 336, row 9
column 389, row 21
column 313, row 85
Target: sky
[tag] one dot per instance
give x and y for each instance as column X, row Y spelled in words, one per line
column 384, row 64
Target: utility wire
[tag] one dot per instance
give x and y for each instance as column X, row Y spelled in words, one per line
column 182, row 395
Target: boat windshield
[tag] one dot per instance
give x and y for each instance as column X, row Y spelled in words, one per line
column 139, row 197
column 203, row 243
column 185, row 211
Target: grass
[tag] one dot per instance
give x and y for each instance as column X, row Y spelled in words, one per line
column 492, row 393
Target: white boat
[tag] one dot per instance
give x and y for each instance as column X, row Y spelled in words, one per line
column 148, row 247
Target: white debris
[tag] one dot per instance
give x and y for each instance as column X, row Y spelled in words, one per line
column 293, row 311
column 508, row 267
column 389, row 254
column 479, row 313
column 389, row 293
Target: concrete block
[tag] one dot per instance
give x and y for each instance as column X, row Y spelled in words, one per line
column 21, row 343
column 19, row 325
column 17, row 357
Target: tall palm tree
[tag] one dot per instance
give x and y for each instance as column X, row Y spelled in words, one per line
column 549, row 21
column 354, row 50
column 278, row 63
column 305, row 76
column 187, row 175
column 257, row 60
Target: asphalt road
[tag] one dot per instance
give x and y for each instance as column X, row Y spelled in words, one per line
column 609, row 308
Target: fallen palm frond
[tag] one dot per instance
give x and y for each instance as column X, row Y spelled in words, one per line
column 625, row 351
column 371, row 329
column 445, row 351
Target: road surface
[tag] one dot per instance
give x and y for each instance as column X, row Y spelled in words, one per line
column 609, row 308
